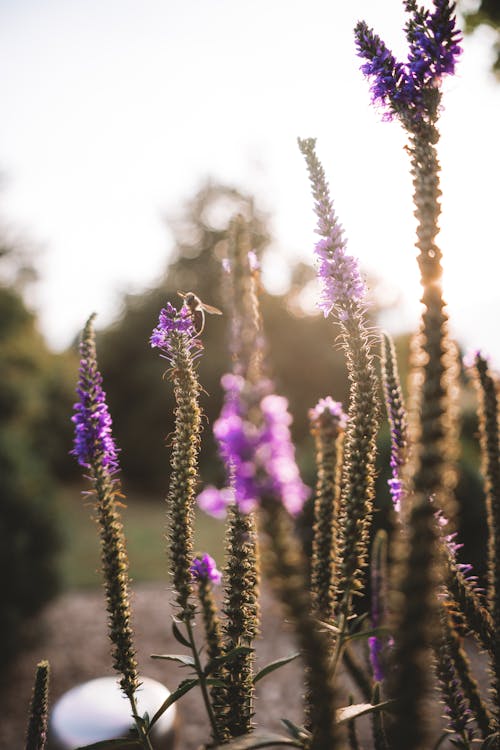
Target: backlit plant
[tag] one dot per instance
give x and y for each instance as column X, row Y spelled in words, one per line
column 422, row 601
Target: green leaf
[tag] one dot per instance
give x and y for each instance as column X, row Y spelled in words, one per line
column 124, row 742
column 184, row 687
column 251, row 741
column 349, row 713
column 274, row 665
column 184, row 659
column 179, row 636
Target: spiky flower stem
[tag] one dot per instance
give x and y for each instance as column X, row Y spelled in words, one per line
column 470, row 605
column 241, row 603
column 213, row 640
column 36, row 735
column 415, row 627
column 184, row 477
column 327, row 426
column 396, row 414
column 95, row 449
column 435, row 433
column 343, row 293
column 286, row 572
column 490, row 452
column 358, row 470
column 461, row 663
column 456, row 706
column 379, row 594
column 241, row 624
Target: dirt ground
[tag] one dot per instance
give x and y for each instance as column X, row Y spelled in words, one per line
column 72, row 636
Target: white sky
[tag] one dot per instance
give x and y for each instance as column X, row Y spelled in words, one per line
column 114, row 111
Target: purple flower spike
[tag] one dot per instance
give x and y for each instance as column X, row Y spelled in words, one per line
column 204, row 568
column 409, row 89
column 93, row 437
column 260, row 458
column 214, row 501
column 341, row 282
column 172, row 325
column 327, row 407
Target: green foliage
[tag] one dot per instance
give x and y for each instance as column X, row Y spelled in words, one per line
column 28, row 536
column 487, row 12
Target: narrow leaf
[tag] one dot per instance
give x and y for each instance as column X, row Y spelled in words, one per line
column 186, row 660
column 183, row 688
column 251, row 741
column 274, row 665
column 124, row 742
column 349, row 713
column 179, row 636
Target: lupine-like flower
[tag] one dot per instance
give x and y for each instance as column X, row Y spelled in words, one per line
column 95, row 449
column 261, row 456
column 397, row 419
column 338, row 272
column 93, row 438
column 176, row 337
column 205, row 568
column 410, row 90
column 215, row 501
column 173, row 327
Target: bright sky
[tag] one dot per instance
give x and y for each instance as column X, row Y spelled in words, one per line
column 114, row 111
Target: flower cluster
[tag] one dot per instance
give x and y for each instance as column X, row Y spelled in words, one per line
column 341, row 282
column 172, row 325
column 410, row 89
column 327, row 408
column 204, row 568
column 93, row 437
column 260, row 457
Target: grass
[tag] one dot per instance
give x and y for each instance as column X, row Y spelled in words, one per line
column 145, row 528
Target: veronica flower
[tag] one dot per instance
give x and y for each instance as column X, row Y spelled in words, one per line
column 205, row 568
column 176, row 337
column 261, row 455
column 94, row 443
column 410, row 89
column 95, row 449
column 341, row 282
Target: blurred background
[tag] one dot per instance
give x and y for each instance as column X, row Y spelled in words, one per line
column 131, row 133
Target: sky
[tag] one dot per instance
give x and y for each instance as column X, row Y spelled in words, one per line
column 116, row 111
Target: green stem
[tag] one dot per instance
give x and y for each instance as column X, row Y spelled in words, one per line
column 143, row 735
column 203, row 683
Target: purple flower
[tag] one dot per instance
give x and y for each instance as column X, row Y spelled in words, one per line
column 93, row 437
column 204, row 568
column 341, row 282
column 214, row 501
column 376, row 647
column 174, row 329
column 409, row 89
column 328, row 408
column 259, row 456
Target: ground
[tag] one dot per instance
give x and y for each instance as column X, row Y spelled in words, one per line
column 71, row 634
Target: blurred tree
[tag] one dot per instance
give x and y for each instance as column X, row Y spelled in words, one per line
column 486, row 12
column 29, row 540
column 142, row 404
